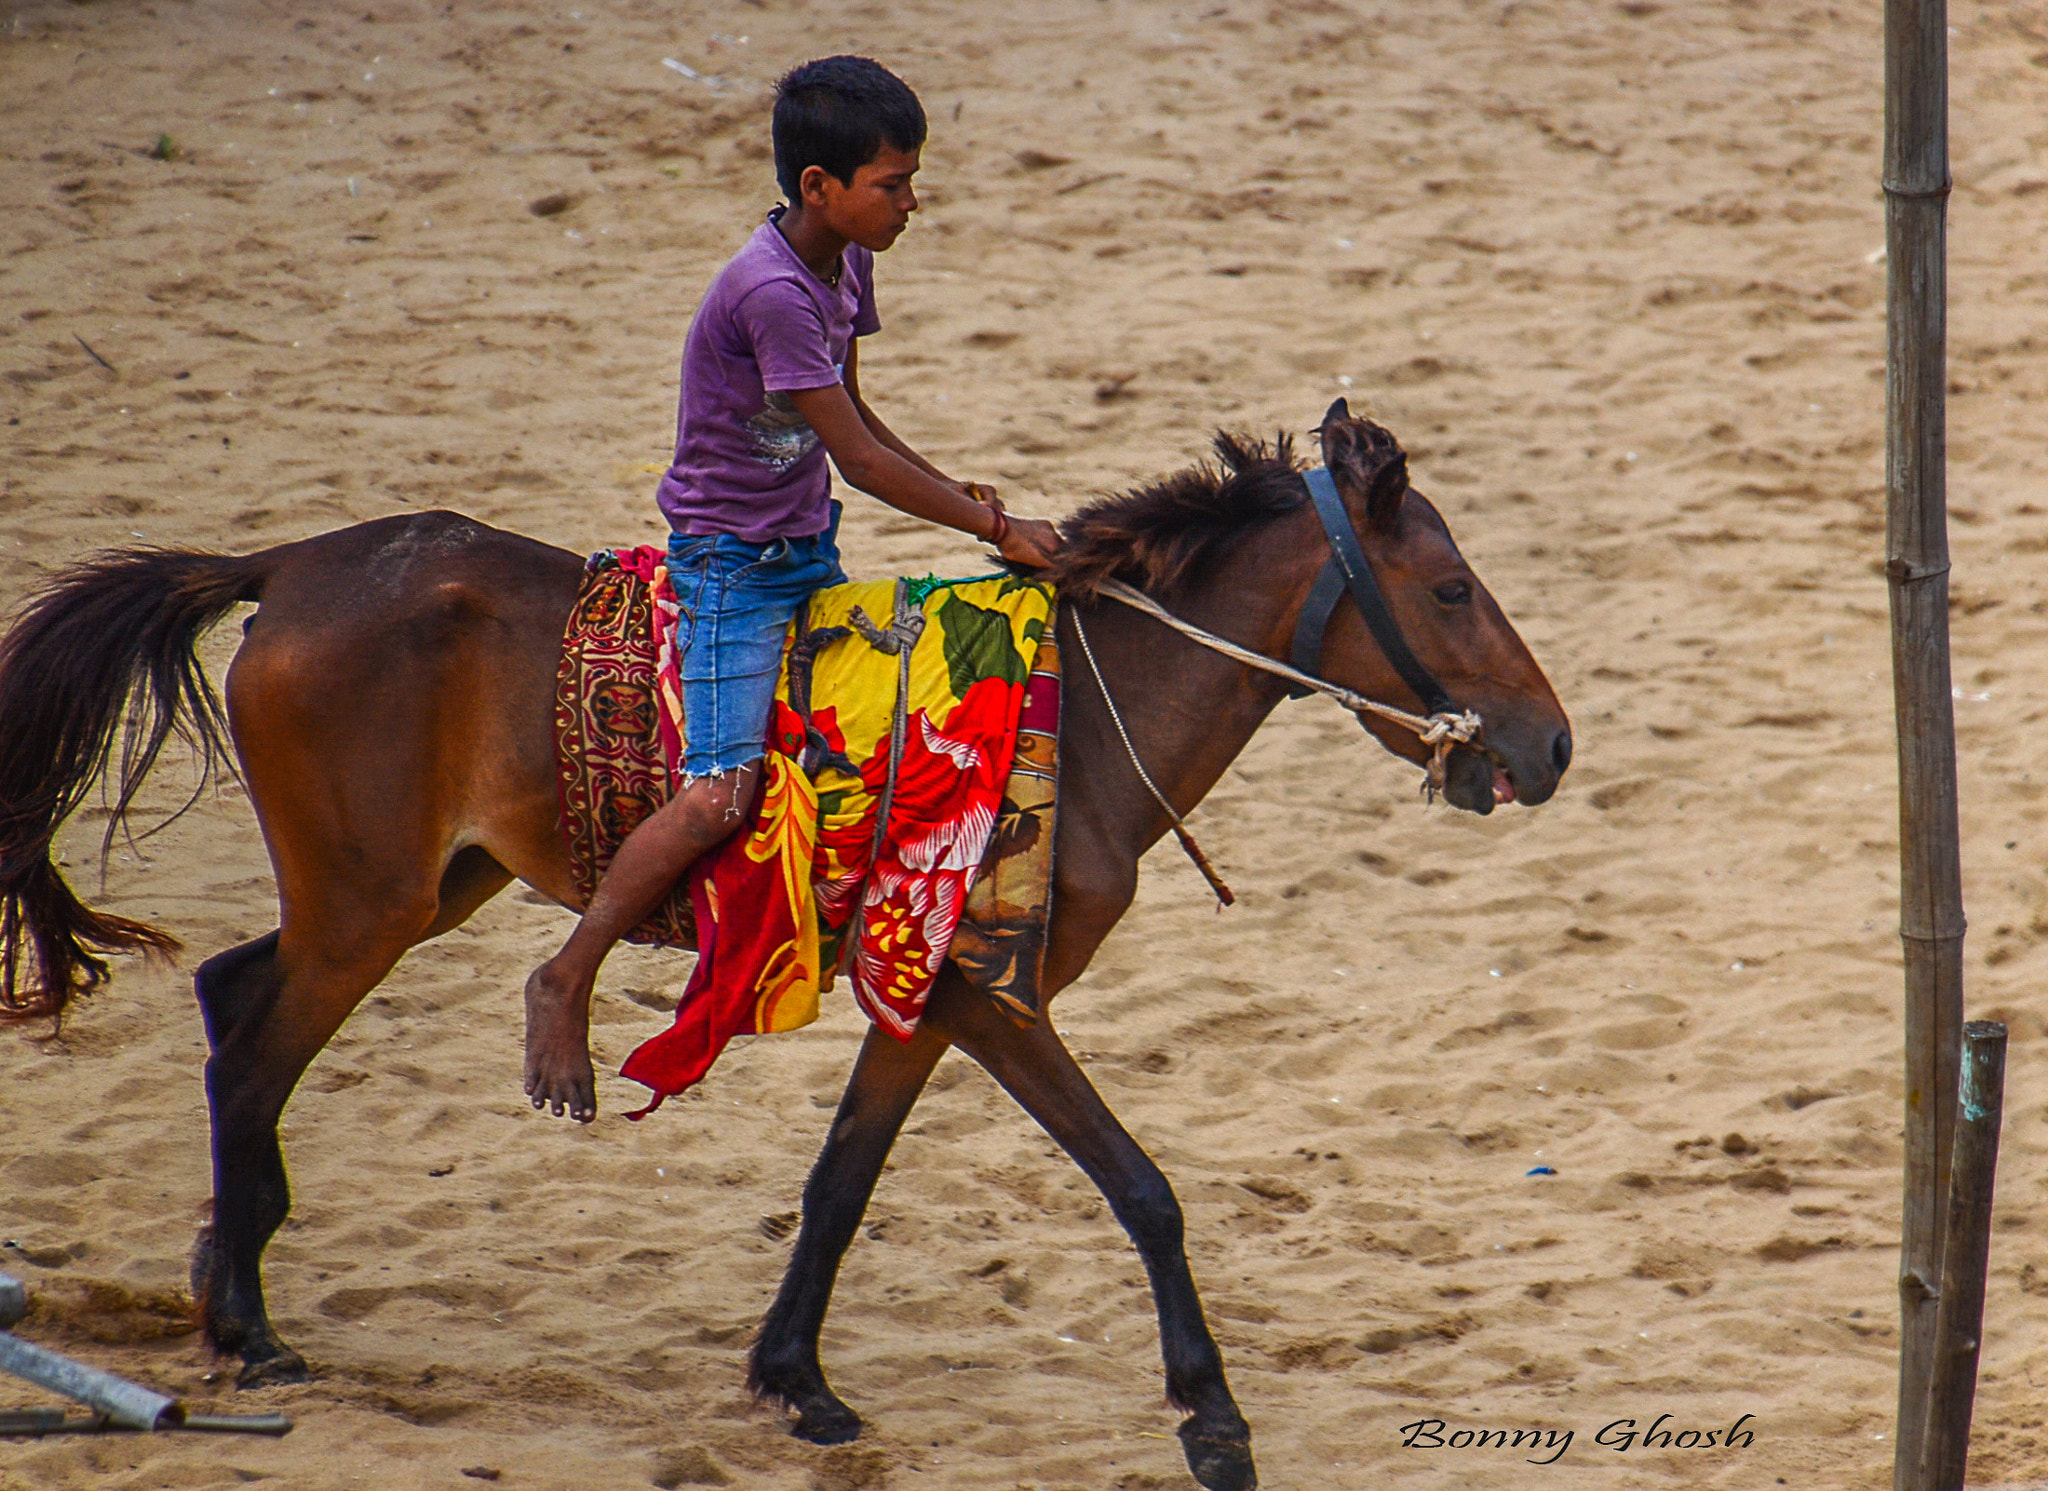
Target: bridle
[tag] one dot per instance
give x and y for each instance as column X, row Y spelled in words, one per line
column 1346, row 571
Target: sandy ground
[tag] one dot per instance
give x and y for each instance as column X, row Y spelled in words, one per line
column 1610, row 272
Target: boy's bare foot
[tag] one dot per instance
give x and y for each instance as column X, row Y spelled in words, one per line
column 559, row 1077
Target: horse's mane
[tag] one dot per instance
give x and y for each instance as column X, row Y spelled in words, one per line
column 1163, row 537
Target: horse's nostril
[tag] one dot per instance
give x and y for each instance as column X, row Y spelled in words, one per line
column 1561, row 749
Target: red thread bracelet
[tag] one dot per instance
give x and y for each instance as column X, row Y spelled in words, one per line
column 1002, row 529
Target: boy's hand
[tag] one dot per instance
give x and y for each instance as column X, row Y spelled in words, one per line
column 1031, row 541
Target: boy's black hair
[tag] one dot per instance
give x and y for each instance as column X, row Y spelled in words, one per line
column 836, row 112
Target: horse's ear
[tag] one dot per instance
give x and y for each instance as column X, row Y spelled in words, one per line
column 1366, row 458
column 1389, row 486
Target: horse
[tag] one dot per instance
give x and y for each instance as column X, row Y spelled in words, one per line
column 390, row 710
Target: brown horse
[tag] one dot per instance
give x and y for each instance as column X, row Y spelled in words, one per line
column 391, row 712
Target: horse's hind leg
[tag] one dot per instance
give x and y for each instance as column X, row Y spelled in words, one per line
column 270, row 1005
column 884, row 1086
column 235, row 989
column 1036, row 1069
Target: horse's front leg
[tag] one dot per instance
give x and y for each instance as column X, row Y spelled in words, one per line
column 1037, row 1070
column 879, row 1095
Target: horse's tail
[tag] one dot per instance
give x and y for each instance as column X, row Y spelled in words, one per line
column 111, row 639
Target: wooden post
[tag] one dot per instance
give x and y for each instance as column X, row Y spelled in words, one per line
column 1952, row 1382
column 1916, row 184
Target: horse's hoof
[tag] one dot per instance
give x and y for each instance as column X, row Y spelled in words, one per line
column 830, row 1422
column 795, row 1382
column 279, row 1366
column 1218, row 1464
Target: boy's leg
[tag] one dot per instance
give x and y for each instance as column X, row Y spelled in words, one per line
column 559, row 1077
column 737, row 600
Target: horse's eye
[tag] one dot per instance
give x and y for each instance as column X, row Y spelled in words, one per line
column 1454, row 592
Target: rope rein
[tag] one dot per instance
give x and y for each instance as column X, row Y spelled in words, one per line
column 1438, row 731
column 1224, row 897
column 1441, row 731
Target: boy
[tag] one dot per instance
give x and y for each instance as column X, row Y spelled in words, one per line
column 770, row 387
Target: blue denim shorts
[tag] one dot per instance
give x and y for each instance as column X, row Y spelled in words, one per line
column 737, row 600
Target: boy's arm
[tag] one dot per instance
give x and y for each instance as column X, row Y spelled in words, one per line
column 907, row 483
column 873, row 421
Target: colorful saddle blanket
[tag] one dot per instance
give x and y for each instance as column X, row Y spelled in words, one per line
column 808, row 886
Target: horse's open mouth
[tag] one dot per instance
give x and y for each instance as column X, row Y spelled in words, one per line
column 1478, row 781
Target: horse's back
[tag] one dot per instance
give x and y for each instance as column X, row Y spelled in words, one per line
column 411, row 567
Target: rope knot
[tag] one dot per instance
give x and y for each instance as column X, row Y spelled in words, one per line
column 902, row 632
column 1443, row 732
column 1461, row 728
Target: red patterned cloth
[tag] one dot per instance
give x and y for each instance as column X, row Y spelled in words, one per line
column 800, row 890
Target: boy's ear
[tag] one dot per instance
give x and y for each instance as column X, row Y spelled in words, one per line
column 811, row 185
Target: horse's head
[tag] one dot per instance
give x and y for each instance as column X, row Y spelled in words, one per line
column 1451, row 624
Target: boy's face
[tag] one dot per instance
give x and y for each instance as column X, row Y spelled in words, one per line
column 874, row 210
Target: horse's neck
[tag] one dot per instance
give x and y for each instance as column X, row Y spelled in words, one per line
column 1187, row 711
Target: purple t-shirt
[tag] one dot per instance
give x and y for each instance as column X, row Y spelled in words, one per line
column 746, row 462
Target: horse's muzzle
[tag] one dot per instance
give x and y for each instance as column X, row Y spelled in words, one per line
column 1506, row 769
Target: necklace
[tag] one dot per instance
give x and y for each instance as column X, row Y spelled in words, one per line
column 838, row 262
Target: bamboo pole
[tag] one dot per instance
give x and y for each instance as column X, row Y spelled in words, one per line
column 1952, row 1384
column 1916, row 184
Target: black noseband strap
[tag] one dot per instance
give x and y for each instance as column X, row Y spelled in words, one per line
column 1348, row 570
